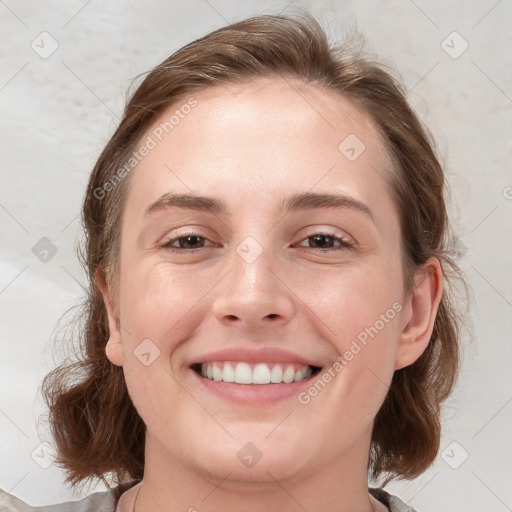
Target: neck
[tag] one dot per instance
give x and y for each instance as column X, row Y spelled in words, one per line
column 337, row 485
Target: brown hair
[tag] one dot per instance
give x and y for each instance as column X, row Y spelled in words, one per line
column 97, row 430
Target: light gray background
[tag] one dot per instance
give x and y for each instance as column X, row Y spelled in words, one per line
column 59, row 111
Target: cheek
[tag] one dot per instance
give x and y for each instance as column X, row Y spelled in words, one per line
column 156, row 308
column 363, row 316
column 355, row 300
column 156, row 303
column 366, row 333
column 155, row 395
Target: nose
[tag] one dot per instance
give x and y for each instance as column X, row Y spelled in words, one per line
column 254, row 293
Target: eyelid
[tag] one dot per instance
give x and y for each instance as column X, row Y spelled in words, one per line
column 344, row 242
column 326, row 229
column 167, row 241
column 192, row 229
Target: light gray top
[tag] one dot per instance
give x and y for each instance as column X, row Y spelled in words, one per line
column 106, row 501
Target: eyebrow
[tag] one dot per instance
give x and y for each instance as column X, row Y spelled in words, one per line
column 295, row 202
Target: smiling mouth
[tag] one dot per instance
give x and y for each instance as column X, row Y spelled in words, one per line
column 239, row 372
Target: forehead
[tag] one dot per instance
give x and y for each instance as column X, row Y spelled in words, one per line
column 267, row 136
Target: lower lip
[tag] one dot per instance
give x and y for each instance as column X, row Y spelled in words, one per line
column 254, row 393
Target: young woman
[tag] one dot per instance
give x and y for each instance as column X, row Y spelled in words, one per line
column 269, row 321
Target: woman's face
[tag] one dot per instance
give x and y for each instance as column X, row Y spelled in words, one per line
column 257, row 282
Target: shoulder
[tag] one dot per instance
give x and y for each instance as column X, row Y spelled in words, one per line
column 105, row 501
column 394, row 503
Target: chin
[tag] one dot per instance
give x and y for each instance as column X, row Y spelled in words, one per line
column 260, row 461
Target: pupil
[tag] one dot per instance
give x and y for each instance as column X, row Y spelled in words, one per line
column 320, row 237
column 191, row 237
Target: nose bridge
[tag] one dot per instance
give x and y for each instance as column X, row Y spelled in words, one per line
column 253, row 290
column 252, row 262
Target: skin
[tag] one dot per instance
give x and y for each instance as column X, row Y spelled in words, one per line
column 251, row 146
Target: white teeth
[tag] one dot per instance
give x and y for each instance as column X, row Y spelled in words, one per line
column 276, row 376
column 228, row 375
column 217, row 373
column 289, row 374
column 260, row 373
column 243, row 374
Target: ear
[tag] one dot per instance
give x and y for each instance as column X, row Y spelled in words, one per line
column 420, row 312
column 113, row 348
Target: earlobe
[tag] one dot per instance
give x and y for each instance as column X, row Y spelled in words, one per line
column 113, row 348
column 421, row 310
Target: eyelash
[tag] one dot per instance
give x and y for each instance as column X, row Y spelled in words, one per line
column 344, row 243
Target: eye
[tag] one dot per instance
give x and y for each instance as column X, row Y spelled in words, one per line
column 326, row 240
column 187, row 242
column 193, row 242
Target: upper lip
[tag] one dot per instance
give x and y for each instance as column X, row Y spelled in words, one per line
column 254, row 355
